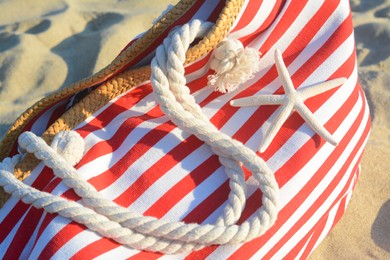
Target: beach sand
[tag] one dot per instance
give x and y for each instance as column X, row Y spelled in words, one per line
column 45, row 45
column 364, row 230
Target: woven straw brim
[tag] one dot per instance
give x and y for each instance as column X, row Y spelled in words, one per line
column 113, row 85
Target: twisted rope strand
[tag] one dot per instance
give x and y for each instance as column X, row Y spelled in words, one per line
column 84, row 215
column 172, row 65
column 205, row 131
column 148, row 233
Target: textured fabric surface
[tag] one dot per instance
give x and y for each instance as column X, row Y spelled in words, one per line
column 136, row 157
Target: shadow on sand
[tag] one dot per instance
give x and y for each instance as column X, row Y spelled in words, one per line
column 380, row 229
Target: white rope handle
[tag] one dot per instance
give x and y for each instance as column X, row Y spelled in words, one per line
column 148, row 233
column 172, row 66
column 164, row 70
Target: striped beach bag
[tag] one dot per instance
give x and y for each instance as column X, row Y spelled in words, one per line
column 229, row 130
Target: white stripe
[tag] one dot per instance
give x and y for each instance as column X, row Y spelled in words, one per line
column 146, row 161
column 299, row 256
column 203, row 13
column 164, row 140
column 317, row 192
column 121, row 252
column 75, row 244
column 295, row 184
column 47, row 235
column 189, row 202
column 267, row 60
column 319, row 189
column 108, row 160
column 332, row 218
column 240, row 14
column 170, row 178
column 195, row 75
column 262, row 14
column 215, row 109
column 316, row 160
column 329, row 221
column 323, row 113
column 10, row 237
column 102, row 163
column 11, row 202
column 41, row 124
column 27, row 249
column 140, row 108
column 95, row 166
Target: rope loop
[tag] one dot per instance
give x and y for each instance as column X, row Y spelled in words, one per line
column 133, row 229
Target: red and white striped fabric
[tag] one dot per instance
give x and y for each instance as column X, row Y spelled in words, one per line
column 138, row 158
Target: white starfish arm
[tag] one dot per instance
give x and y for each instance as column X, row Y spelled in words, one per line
column 283, row 73
column 308, row 92
column 258, row 100
column 315, row 124
column 283, row 113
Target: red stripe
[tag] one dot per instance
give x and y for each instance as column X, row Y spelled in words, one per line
column 341, row 210
column 312, row 237
column 183, row 187
column 110, row 145
column 150, row 176
column 23, row 234
column 60, row 239
column 226, row 111
column 199, row 64
column 48, row 217
column 96, row 248
column 150, row 139
column 268, row 22
column 295, row 121
column 97, row 127
column 310, row 185
column 28, row 126
column 46, row 175
column 44, row 223
column 20, row 208
column 347, row 69
column 316, row 230
column 217, row 204
column 146, row 256
column 289, row 169
column 249, row 13
column 121, row 105
column 290, row 15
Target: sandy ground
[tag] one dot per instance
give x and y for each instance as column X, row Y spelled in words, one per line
column 45, row 45
column 364, row 231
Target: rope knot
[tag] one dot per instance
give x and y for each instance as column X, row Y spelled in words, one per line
column 70, row 145
column 233, row 65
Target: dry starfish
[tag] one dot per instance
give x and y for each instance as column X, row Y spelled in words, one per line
column 292, row 100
